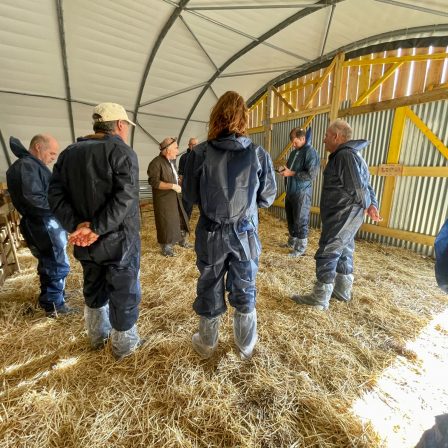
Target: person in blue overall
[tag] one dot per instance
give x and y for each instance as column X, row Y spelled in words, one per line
column 346, row 197
column 94, row 192
column 300, row 171
column 28, row 179
column 229, row 177
column 441, row 253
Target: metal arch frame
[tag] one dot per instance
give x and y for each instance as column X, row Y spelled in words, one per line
column 5, row 149
column 227, row 7
column 68, row 94
column 295, row 17
column 170, row 22
column 356, row 49
column 247, row 36
column 327, row 31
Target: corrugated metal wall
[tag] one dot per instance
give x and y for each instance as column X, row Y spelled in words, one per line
column 420, row 204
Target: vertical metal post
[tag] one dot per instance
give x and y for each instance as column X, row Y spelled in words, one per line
column 393, row 156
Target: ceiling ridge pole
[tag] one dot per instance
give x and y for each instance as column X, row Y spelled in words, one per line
column 60, row 14
column 170, row 22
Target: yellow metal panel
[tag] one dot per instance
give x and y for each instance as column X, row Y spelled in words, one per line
column 429, row 134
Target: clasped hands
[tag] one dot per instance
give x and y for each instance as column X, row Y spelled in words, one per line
column 83, row 235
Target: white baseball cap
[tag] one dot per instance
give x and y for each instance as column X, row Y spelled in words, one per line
column 110, row 112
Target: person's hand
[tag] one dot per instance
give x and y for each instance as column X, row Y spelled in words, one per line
column 176, row 188
column 373, row 213
column 287, row 172
column 83, row 236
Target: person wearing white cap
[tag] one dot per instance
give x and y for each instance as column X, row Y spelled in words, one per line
column 94, row 193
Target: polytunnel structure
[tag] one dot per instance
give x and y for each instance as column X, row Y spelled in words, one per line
column 115, row 359
column 167, row 61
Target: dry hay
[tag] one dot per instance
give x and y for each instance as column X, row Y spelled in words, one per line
column 297, row 390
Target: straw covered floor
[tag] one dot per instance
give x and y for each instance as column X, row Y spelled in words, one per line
column 296, row 391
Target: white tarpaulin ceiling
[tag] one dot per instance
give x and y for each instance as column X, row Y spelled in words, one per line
column 167, row 61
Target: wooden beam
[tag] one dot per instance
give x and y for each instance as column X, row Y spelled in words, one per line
column 256, row 130
column 418, row 238
column 267, row 120
column 393, row 59
column 336, row 87
column 301, row 114
column 428, row 133
column 321, row 81
column 414, row 237
column 283, row 100
column 376, row 84
column 420, row 98
column 280, row 201
column 416, row 171
column 299, row 86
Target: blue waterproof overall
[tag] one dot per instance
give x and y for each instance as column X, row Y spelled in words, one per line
column 346, row 194
column 229, row 178
column 28, row 179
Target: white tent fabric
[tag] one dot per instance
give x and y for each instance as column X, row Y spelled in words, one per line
column 168, row 61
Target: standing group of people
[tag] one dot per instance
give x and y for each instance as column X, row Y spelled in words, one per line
column 93, row 195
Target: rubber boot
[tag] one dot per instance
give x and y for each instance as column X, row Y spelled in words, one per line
column 124, row 343
column 205, row 340
column 245, row 332
column 299, row 247
column 319, row 298
column 97, row 325
column 167, row 250
column 343, row 287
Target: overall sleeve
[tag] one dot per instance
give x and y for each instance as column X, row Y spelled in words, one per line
column 192, row 176
column 350, row 174
column 373, row 199
column 311, row 166
column 125, row 193
column 268, row 188
column 34, row 190
column 59, row 199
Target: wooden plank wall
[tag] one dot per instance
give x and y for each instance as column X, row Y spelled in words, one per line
column 409, row 79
